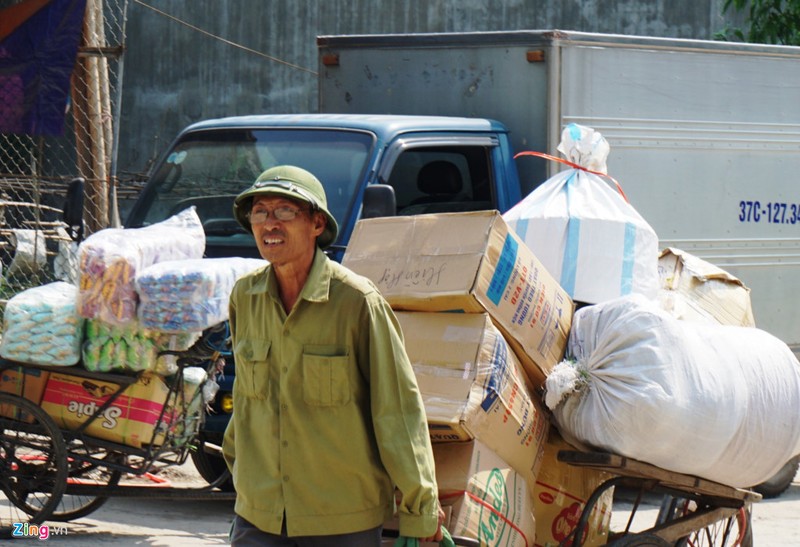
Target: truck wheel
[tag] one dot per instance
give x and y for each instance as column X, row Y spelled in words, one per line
column 210, row 466
column 778, row 484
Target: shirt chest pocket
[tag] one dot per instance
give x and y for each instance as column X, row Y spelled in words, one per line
column 326, row 378
column 252, row 367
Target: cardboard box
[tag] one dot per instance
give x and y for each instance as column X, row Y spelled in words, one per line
column 131, row 419
column 473, row 386
column 490, row 502
column 469, row 262
column 560, row 495
column 27, row 382
column 695, row 290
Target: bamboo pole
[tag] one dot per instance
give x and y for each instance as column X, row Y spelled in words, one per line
column 98, row 184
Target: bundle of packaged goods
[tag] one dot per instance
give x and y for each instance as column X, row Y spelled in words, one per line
column 695, row 290
column 473, row 263
column 131, row 348
column 473, row 387
column 477, row 369
column 42, row 325
column 584, row 231
column 110, row 260
column 189, row 295
column 716, row 401
column 96, row 326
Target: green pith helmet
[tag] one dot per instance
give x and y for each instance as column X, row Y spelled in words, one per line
column 293, row 183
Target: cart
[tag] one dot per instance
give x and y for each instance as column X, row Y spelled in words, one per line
column 694, row 511
column 52, row 473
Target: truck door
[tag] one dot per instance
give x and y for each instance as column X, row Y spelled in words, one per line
column 438, row 177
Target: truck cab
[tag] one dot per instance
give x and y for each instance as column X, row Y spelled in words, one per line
column 420, row 164
column 432, row 164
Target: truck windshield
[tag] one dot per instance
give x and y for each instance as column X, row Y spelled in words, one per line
column 209, row 168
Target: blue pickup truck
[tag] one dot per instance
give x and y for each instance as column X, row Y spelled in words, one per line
column 371, row 165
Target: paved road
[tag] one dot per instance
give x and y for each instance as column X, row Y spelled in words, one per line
column 136, row 522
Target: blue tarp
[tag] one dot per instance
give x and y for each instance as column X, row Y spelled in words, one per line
column 38, row 46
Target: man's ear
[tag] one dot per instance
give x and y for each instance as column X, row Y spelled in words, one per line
column 320, row 222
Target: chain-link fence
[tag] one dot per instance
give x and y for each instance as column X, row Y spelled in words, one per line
column 36, row 166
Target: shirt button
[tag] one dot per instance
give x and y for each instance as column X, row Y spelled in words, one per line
column 286, row 478
column 285, row 443
column 284, row 406
column 285, row 369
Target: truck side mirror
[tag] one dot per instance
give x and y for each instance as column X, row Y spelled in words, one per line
column 73, row 209
column 379, row 201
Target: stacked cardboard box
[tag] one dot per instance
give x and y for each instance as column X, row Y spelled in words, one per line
column 473, row 263
column 560, row 496
column 473, row 388
column 28, row 383
column 130, row 419
column 484, row 323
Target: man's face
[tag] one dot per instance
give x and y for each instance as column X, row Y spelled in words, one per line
column 285, row 242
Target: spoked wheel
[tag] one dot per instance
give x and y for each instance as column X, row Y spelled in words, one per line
column 33, row 464
column 641, row 540
column 730, row 531
column 81, row 472
column 211, row 466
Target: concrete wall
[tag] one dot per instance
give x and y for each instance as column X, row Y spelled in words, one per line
column 175, row 75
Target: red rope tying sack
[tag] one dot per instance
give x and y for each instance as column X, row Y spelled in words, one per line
column 574, row 166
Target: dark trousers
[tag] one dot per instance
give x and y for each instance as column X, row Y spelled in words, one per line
column 244, row 534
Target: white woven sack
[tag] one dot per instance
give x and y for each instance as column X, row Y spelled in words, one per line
column 584, row 232
column 716, row 401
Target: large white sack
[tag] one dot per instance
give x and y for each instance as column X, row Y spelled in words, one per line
column 593, row 241
column 720, row 402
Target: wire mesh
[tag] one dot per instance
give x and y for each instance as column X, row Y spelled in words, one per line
column 35, row 170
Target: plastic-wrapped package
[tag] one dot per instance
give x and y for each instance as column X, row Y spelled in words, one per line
column 110, row 259
column 187, row 412
column 586, row 234
column 41, row 325
column 131, row 348
column 189, row 295
column 716, row 401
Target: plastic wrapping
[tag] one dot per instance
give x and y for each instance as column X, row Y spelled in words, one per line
column 186, row 417
column 586, row 234
column 110, row 259
column 41, row 325
column 189, row 295
column 131, row 348
column 716, row 401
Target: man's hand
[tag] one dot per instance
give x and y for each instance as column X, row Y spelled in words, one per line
column 438, row 535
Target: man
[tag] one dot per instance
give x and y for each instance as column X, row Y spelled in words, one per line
column 327, row 417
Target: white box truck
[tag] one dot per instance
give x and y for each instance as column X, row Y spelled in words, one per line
column 705, row 136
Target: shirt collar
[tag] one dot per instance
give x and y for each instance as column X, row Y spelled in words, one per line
column 317, row 285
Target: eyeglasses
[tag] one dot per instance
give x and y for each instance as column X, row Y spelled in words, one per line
column 280, row 213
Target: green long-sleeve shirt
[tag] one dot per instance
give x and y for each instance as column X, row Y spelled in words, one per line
column 327, row 413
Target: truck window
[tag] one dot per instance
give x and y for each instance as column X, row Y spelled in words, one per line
column 208, row 168
column 447, row 179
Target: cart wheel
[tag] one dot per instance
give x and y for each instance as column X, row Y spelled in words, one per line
column 641, row 540
column 210, row 466
column 734, row 531
column 781, row 481
column 75, row 506
column 33, row 464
